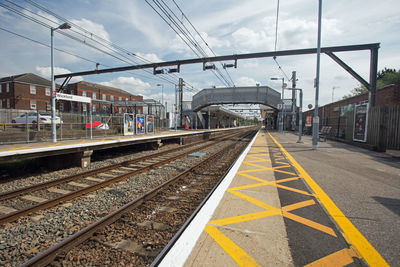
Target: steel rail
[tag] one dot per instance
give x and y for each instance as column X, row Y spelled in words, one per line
column 79, row 237
column 52, row 202
column 36, row 187
column 175, row 238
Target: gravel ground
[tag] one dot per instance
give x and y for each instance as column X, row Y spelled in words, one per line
column 26, row 237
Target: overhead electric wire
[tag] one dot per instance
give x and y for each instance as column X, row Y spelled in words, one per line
column 189, row 37
column 103, row 40
column 212, row 51
column 76, row 39
column 276, row 41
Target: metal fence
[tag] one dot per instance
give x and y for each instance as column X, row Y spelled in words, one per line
column 73, row 126
column 383, row 128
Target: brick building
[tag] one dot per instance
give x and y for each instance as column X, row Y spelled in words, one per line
column 25, row 91
column 29, row 91
column 333, row 114
column 102, row 96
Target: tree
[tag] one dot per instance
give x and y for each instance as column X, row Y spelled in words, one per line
column 384, row 77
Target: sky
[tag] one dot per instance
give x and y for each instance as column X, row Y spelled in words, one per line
column 227, row 26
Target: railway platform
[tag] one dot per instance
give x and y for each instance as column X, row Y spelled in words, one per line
column 79, row 151
column 269, row 211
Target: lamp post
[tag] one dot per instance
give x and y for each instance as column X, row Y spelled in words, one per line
column 63, row 26
column 282, row 97
column 316, row 118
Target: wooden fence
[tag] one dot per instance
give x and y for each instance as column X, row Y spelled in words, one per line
column 384, row 127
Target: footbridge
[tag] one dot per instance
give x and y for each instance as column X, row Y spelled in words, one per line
column 236, row 95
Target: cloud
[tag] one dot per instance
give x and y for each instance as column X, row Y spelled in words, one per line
column 93, row 27
column 150, row 57
column 130, row 84
column 245, row 81
column 45, row 72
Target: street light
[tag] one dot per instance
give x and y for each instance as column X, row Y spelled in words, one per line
column 63, row 26
column 282, row 97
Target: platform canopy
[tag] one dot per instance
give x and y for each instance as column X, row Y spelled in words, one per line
column 236, row 95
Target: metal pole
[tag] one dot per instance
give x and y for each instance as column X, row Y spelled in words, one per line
column 283, row 106
column 53, row 92
column 293, row 101
column 300, row 116
column 316, row 118
column 91, row 120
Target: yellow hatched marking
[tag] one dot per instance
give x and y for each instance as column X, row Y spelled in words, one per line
column 233, row 250
column 246, row 217
column 287, row 180
column 340, row 258
column 367, row 251
column 298, row 205
column 309, row 223
column 294, row 190
column 290, row 173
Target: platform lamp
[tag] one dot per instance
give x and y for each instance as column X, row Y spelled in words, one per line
column 63, row 26
column 282, row 97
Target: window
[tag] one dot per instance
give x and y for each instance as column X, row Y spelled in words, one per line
column 94, row 96
column 94, row 108
column 61, row 107
column 83, row 93
column 104, row 97
column 111, row 98
column 7, row 87
column 33, row 104
column 33, row 89
column 48, row 106
column 126, row 98
column 47, row 91
column 8, row 103
column 1, row 103
column 72, row 92
column 119, row 98
column 1, row 88
column 119, row 110
column 84, row 107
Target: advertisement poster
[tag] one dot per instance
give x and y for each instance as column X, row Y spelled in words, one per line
column 308, row 121
column 129, row 124
column 360, row 123
column 150, row 124
column 140, row 124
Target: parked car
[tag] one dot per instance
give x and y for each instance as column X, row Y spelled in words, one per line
column 33, row 118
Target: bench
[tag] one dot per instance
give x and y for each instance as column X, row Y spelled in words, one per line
column 325, row 131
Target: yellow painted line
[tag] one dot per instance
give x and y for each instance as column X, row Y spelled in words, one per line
column 294, row 190
column 251, row 199
column 340, row 258
column 367, row 251
column 237, row 254
column 246, row 217
column 290, row 173
column 298, row 205
column 56, row 144
column 83, row 141
column 309, row 223
column 21, row 147
column 287, row 180
column 102, row 140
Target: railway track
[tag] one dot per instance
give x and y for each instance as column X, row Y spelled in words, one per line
column 48, row 194
column 145, row 227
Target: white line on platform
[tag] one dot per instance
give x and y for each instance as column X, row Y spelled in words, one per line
column 186, row 242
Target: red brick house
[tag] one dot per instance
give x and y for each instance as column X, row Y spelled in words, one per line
column 101, row 97
column 30, row 91
column 25, row 91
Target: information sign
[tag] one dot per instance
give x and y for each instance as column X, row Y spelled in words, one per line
column 360, row 123
column 140, row 124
